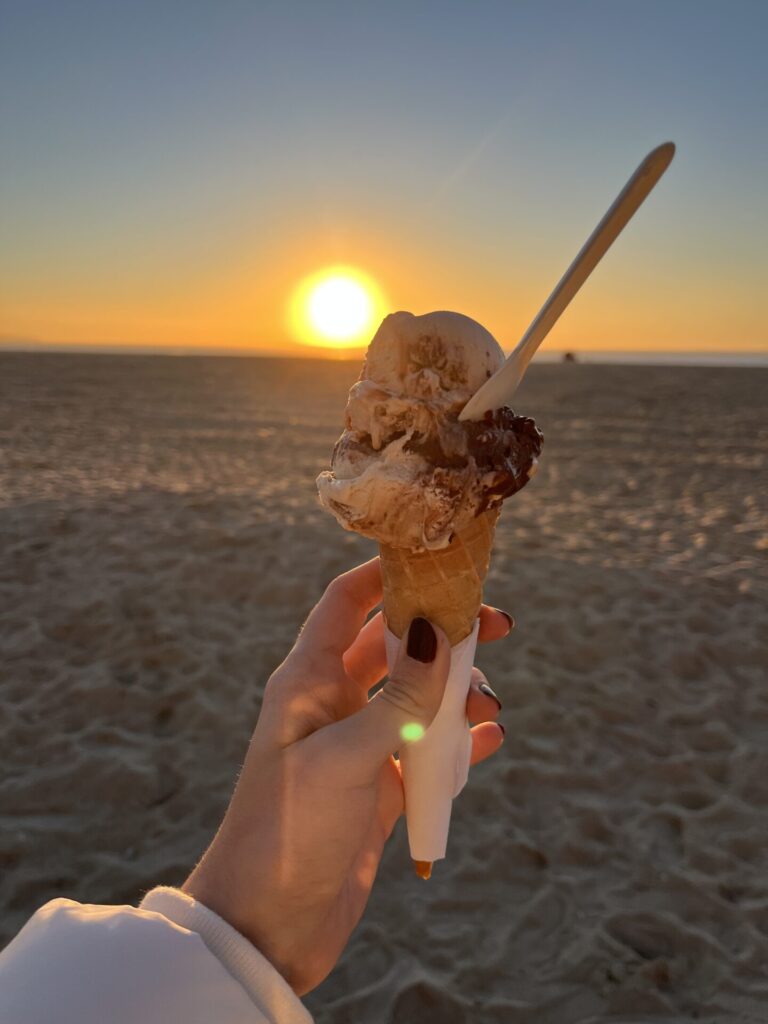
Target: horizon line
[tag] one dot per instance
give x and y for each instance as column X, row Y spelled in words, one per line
column 715, row 357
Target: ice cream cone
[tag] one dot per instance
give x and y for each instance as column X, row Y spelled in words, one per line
column 444, row 586
column 405, row 470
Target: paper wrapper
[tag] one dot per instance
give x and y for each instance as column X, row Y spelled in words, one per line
column 436, row 767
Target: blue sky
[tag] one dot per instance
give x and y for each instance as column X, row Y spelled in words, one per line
column 150, row 150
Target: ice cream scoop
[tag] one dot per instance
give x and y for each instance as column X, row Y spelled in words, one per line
column 405, row 471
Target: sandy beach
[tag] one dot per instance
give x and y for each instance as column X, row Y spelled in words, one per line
column 161, row 544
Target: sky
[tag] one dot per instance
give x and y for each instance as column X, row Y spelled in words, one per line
column 170, row 170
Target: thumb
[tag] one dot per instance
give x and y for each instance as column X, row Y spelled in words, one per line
column 404, row 707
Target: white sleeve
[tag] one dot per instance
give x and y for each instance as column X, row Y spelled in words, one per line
column 171, row 961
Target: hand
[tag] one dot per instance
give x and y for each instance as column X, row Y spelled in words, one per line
column 296, row 855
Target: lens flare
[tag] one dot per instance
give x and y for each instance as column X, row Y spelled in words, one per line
column 411, row 732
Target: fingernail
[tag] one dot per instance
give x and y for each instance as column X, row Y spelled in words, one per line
column 508, row 617
column 422, row 641
column 503, row 730
column 485, row 688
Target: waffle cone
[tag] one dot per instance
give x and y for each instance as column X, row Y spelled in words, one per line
column 444, row 586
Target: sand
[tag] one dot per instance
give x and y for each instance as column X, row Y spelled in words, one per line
column 161, row 543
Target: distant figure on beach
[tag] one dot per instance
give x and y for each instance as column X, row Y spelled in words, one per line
column 569, row 357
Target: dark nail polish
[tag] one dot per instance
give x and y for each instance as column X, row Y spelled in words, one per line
column 503, row 730
column 508, row 617
column 422, row 641
column 485, row 688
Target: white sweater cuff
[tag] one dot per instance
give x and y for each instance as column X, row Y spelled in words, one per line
column 266, row 987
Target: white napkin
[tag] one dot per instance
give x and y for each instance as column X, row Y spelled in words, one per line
column 435, row 767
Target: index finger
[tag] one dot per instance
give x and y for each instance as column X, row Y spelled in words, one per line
column 340, row 614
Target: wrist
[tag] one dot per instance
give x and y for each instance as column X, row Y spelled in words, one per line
column 241, row 910
column 243, row 959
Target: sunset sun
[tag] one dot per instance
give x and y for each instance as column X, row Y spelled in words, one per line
column 338, row 307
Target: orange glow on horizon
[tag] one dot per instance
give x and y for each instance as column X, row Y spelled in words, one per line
column 242, row 301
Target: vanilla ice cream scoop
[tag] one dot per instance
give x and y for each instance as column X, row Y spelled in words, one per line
column 406, row 472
